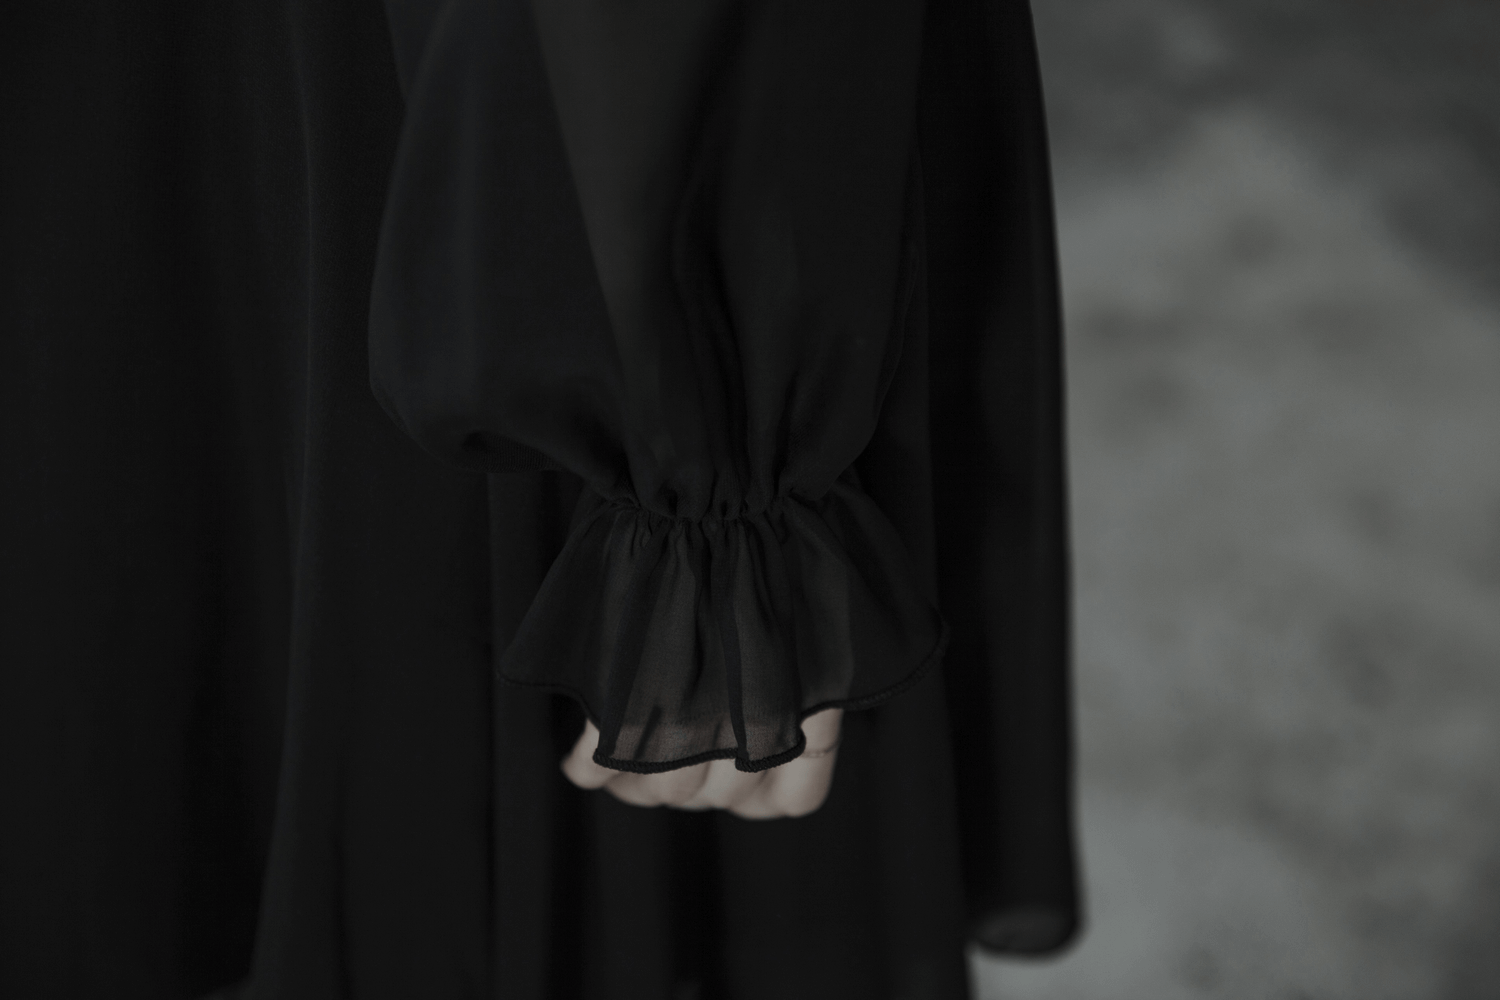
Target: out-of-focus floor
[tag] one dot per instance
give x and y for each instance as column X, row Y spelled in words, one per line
column 1281, row 245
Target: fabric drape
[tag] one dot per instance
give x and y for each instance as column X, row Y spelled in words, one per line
column 254, row 730
column 671, row 250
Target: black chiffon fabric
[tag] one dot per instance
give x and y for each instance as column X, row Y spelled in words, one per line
column 259, row 625
column 737, row 207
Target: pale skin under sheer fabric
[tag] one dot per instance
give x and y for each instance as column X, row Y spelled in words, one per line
column 796, row 788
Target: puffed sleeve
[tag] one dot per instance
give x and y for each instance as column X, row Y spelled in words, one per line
column 671, row 248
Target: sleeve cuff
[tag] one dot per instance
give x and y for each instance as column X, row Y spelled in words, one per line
column 695, row 640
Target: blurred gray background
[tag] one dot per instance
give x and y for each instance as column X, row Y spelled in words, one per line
column 1280, row 226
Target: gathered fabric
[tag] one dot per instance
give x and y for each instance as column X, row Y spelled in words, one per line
column 690, row 640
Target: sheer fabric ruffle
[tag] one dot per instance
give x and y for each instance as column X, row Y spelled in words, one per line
column 689, row 640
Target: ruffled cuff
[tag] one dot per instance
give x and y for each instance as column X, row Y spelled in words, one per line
column 695, row 640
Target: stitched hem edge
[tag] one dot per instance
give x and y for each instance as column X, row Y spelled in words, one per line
column 742, row 763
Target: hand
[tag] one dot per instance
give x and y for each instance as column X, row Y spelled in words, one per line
column 796, row 788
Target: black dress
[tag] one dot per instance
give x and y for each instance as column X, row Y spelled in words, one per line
column 716, row 379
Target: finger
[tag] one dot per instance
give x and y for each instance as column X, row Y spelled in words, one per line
column 633, row 790
column 822, row 731
column 664, row 789
column 790, row 791
column 800, row 786
column 725, row 786
column 579, row 765
column 759, row 804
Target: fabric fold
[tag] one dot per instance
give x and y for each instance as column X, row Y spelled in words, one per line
column 694, row 640
column 669, row 251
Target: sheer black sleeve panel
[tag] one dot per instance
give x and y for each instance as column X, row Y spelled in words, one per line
column 672, row 249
